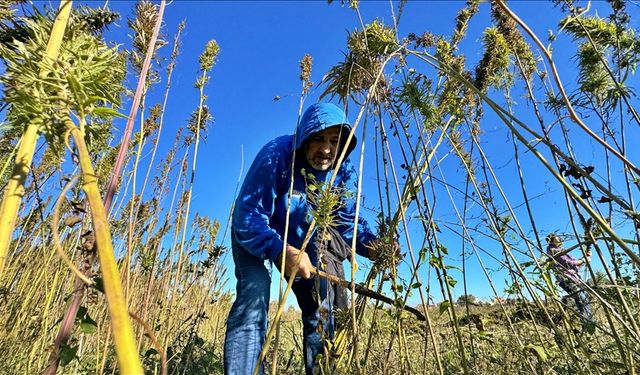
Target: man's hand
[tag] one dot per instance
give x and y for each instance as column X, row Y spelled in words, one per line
column 587, row 257
column 305, row 268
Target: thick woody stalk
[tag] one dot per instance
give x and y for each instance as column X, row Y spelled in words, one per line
column 364, row 291
column 69, row 317
column 122, row 331
column 14, row 191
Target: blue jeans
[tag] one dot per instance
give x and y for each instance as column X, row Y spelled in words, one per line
column 248, row 318
column 579, row 297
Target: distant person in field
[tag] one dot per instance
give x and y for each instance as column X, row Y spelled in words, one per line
column 567, row 269
column 258, row 232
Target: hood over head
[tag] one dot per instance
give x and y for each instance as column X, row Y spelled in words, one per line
column 322, row 116
column 554, row 240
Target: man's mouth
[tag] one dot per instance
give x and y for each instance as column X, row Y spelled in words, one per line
column 324, row 159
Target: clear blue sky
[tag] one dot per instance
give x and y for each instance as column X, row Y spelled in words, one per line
column 261, row 45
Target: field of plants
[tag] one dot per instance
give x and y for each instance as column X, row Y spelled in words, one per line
column 472, row 161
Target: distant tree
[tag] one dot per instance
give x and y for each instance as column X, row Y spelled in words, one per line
column 467, row 299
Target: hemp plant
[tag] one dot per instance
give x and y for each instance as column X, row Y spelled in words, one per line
column 306, row 65
column 144, row 25
column 198, row 123
column 80, row 89
column 69, row 316
column 325, row 200
column 31, row 119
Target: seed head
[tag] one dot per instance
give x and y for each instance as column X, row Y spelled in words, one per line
column 517, row 45
column 367, row 50
column 462, row 21
column 493, row 69
column 198, row 123
column 146, row 15
column 305, row 72
column 209, row 56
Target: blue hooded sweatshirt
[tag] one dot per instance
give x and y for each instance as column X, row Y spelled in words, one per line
column 258, row 221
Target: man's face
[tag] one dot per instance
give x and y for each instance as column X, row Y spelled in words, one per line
column 322, row 148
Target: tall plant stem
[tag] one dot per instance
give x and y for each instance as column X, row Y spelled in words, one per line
column 174, row 55
column 122, row 330
column 65, row 329
column 574, row 116
column 14, row 190
column 122, row 152
column 285, row 238
column 162, row 112
column 414, row 184
column 191, row 180
column 354, row 325
column 156, row 244
column 134, row 201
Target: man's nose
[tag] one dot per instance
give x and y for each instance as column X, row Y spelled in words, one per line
column 326, row 148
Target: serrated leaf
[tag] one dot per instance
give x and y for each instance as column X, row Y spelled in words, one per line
column 435, row 262
column 450, row 267
column 107, row 112
column 444, row 306
column 443, row 249
column 451, row 281
column 423, row 255
column 88, row 325
column 67, row 354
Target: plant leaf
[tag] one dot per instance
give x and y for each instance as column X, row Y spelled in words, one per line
column 443, row 306
column 88, row 325
column 67, row 354
column 538, row 351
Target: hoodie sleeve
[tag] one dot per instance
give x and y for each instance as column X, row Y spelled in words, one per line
column 346, row 215
column 255, row 204
column 568, row 261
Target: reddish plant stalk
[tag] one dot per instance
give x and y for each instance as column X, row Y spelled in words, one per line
column 69, row 317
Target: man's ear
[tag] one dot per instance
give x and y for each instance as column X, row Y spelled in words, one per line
column 303, row 147
column 344, row 135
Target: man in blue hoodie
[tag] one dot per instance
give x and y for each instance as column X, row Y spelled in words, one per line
column 258, row 232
